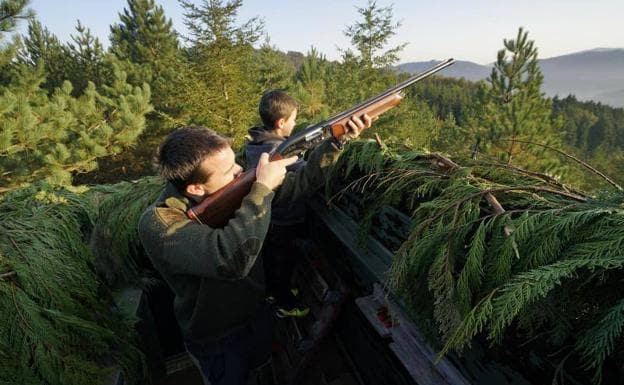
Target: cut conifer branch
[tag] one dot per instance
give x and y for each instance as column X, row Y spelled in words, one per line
column 551, row 254
column 539, row 176
column 491, row 199
column 8, row 274
column 579, row 161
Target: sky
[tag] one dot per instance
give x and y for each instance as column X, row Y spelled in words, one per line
column 433, row 30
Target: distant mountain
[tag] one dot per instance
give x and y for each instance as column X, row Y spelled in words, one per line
column 461, row 69
column 596, row 74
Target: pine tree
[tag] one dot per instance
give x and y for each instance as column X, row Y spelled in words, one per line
column 11, row 11
column 145, row 46
column 224, row 88
column 312, row 79
column 145, row 41
column 365, row 70
column 54, row 135
column 515, row 110
column 275, row 70
column 41, row 47
column 371, row 35
column 87, row 61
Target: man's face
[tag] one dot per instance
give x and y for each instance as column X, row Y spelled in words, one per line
column 289, row 124
column 222, row 168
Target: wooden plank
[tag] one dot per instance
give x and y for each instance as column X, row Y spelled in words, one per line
column 406, row 333
column 407, row 343
column 372, row 256
column 369, row 308
column 418, row 366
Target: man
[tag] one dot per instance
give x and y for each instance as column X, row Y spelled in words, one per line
column 215, row 273
column 278, row 112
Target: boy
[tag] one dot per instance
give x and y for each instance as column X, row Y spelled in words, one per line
column 278, row 112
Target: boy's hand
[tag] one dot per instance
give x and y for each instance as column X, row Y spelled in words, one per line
column 271, row 174
column 356, row 125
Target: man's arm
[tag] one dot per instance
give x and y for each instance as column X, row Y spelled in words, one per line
column 182, row 246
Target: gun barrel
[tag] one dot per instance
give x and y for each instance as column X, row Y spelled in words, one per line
column 291, row 145
column 406, row 83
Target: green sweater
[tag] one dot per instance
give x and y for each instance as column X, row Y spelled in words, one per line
column 215, row 273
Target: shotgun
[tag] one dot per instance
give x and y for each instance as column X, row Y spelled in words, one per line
column 219, row 207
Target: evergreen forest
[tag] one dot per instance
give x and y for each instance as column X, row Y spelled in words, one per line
column 516, row 198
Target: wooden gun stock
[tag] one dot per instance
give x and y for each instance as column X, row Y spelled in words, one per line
column 218, row 208
column 338, row 129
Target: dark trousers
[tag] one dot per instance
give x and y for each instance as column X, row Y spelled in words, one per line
column 280, row 256
column 228, row 360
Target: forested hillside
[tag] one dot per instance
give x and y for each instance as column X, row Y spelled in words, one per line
column 74, row 113
column 593, row 75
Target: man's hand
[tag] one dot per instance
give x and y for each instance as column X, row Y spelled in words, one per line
column 271, row 174
column 356, row 125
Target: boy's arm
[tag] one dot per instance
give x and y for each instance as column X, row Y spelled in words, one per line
column 309, row 178
column 306, row 180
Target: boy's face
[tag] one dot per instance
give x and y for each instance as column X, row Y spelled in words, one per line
column 222, row 168
column 286, row 126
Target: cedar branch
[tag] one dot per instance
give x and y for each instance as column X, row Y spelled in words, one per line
column 584, row 164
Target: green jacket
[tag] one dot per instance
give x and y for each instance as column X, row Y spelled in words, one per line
column 215, row 274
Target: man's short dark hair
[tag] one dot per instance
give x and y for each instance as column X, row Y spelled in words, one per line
column 182, row 152
column 275, row 105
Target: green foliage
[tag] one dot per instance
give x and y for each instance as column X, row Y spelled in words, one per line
column 594, row 133
column 144, row 35
column 54, row 136
column 515, row 110
column 413, row 123
column 371, row 34
column 496, row 252
column 363, row 73
column 311, row 86
column 145, row 42
column 222, row 84
column 59, row 324
column 145, row 46
column 275, row 70
column 80, row 61
column 600, row 340
column 114, row 239
column 87, row 62
column 11, row 11
column 41, row 47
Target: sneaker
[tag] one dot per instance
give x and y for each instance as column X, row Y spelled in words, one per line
column 296, row 312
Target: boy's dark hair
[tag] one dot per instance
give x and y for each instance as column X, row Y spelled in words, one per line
column 274, row 105
column 183, row 151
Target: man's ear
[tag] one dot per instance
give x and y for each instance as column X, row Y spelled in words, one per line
column 195, row 190
column 279, row 123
